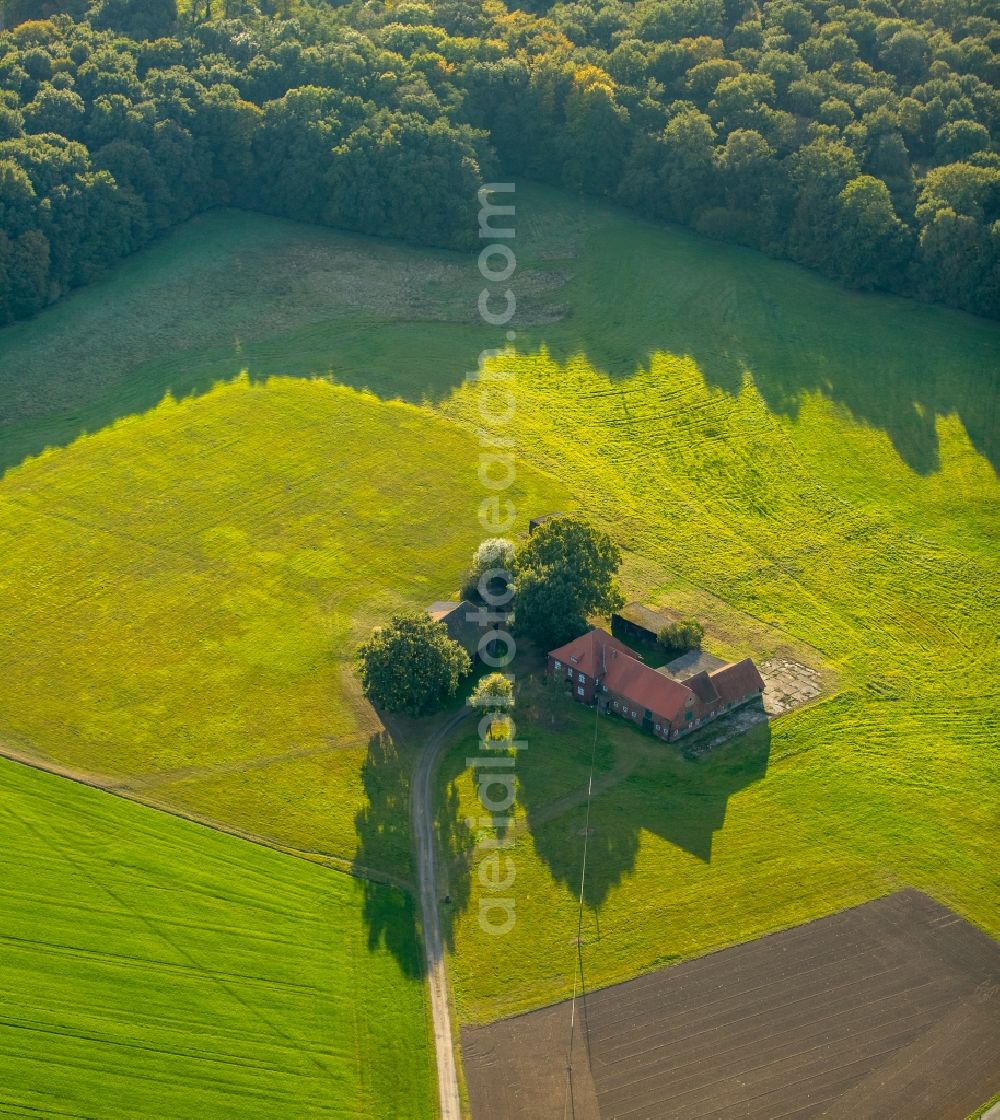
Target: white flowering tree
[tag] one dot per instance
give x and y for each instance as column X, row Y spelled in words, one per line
column 494, row 558
column 493, row 693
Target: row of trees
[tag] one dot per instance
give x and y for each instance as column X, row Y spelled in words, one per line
column 855, row 138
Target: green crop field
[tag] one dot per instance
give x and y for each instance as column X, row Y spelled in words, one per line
column 152, row 967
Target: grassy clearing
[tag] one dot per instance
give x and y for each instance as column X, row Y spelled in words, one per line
column 882, row 576
column 182, row 594
column 232, row 291
column 156, row 968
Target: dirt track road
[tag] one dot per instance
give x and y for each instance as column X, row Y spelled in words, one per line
column 422, row 815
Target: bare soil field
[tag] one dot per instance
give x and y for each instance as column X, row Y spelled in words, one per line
column 887, row 1010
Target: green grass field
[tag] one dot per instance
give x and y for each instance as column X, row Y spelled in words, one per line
column 232, row 291
column 184, row 590
column 153, row 967
column 183, row 579
column 811, row 527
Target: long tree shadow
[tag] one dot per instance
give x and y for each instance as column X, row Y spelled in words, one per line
column 383, row 828
column 231, row 292
column 670, row 791
column 676, row 791
column 457, row 837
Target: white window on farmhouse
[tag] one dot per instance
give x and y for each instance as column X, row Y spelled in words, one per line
column 558, row 664
column 579, row 690
column 580, row 677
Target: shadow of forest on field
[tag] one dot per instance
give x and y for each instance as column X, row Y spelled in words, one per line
column 901, row 391
column 896, row 365
column 232, row 291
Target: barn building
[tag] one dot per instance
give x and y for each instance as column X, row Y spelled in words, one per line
column 604, row 671
column 459, row 621
column 638, row 622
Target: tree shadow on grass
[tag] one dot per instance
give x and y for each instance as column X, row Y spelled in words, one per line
column 621, row 292
column 665, row 789
column 679, row 792
column 231, row 291
column 383, row 828
column 456, row 839
column 894, row 365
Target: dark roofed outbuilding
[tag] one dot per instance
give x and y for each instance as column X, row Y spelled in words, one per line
column 535, row 522
column 636, row 621
column 460, row 626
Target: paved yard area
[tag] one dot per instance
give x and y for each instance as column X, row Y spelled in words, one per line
column 888, row 1011
column 787, row 684
column 694, row 661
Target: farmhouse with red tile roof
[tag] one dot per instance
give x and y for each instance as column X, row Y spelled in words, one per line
column 600, row 669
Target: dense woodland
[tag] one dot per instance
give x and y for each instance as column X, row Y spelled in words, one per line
column 852, row 137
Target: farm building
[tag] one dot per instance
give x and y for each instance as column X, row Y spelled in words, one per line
column 463, row 622
column 636, row 621
column 460, row 627
column 534, row 523
column 600, row 669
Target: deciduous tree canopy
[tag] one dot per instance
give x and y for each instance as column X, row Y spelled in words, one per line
column 856, row 140
column 411, row 665
column 564, row 573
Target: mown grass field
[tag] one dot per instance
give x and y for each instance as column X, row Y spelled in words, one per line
column 152, row 967
column 183, row 592
column 813, row 527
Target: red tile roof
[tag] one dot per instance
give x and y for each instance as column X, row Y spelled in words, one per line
column 586, row 652
column 600, row 656
column 647, row 688
column 703, row 687
column 734, row 682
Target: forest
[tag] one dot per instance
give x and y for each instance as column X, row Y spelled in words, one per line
column 854, row 138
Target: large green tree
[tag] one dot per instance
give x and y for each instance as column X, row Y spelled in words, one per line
column 411, row 665
column 871, row 244
column 565, row 573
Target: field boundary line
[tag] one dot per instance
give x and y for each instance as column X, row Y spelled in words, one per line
column 114, row 789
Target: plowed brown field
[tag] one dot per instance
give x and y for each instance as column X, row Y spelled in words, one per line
column 888, row 1010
